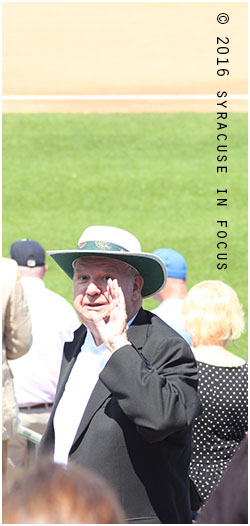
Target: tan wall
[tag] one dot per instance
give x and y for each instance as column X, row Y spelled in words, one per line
column 121, row 48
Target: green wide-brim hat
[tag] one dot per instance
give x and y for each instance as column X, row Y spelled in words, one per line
column 115, row 243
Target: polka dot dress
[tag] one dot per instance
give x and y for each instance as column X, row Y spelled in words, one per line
column 218, row 431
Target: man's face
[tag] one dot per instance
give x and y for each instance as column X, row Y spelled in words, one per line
column 90, row 287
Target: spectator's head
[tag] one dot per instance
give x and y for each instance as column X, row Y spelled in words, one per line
column 51, row 493
column 30, row 257
column 174, row 261
column 212, row 314
column 177, row 270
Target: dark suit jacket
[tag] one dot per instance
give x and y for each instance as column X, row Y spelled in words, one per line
column 136, row 429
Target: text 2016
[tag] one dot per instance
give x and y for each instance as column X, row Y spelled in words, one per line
column 222, row 50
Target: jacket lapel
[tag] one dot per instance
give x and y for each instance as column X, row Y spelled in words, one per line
column 70, row 353
column 138, row 330
column 99, row 394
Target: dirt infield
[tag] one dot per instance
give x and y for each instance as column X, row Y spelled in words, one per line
column 122, row 48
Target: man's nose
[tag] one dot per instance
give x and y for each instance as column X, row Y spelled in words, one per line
column 93, row 289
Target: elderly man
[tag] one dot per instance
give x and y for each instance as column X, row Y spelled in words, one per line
column 126, row 396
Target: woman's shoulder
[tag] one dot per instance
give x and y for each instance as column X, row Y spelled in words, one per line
column 217, row 356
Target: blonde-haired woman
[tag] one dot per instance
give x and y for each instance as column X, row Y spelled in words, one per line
column 213, row 315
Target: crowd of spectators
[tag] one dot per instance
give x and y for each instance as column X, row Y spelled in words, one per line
column 159, row 431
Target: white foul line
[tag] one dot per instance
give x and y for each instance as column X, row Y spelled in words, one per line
column 118, row 97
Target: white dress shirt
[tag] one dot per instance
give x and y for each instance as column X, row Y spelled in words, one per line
column 89, row 363
column 53, row 322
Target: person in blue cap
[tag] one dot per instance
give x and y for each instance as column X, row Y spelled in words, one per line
column 174, row 292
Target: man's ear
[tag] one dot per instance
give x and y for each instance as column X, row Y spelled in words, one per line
column 138, row 284
column 45, row 268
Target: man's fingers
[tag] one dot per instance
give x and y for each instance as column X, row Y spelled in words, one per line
column 113, row 291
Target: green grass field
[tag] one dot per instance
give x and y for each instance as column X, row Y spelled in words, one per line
column 152, row 174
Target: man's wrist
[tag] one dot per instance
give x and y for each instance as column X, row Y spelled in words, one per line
column 118, row 343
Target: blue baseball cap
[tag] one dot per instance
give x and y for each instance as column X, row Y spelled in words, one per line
column 174, row 261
